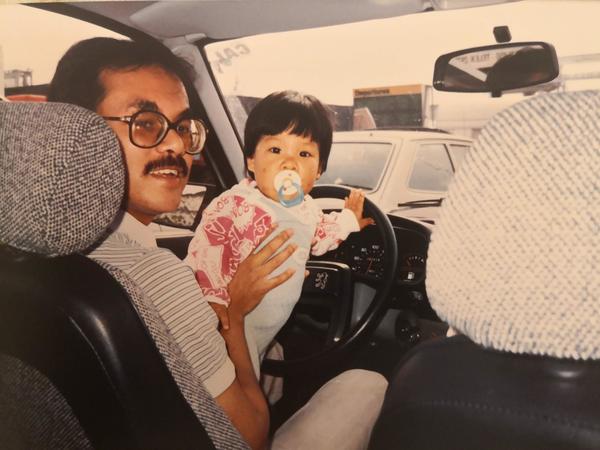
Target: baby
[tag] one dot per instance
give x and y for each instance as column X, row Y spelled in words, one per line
column 287, row 141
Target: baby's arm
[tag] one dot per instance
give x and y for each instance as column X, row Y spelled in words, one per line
column 205, row 256
column 228, row 232
column 210, row 250
column 355, row 202
column 334, row 227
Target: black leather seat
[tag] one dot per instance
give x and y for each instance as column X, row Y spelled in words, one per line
column 454, row 394
column 85, row 361
column 92, row 346
column 512, row 266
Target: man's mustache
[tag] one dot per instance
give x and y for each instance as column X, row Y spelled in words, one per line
column 169, row 161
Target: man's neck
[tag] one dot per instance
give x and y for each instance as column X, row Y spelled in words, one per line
column 141, row 217
column 135, row 230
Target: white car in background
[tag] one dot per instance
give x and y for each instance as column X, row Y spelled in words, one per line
column 404, row 172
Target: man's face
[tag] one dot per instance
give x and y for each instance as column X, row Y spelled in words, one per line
column 157, row 175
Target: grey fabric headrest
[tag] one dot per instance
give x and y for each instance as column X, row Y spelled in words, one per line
column 62, row 177
column 514, row 258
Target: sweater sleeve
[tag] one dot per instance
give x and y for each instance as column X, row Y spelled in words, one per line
column 229, row 231
column 332, row 229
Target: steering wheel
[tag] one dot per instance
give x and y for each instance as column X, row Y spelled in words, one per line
column 336, row 279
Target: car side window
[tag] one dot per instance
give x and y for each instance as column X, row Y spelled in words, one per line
column 432, row 169
column 28, row 59
column 30, row 51
column 185, row 214
column 458, row 153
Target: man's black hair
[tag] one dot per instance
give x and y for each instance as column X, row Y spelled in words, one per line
column 300, row 114
column 77, row 76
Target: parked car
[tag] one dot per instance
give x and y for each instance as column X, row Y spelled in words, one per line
column 404, row 172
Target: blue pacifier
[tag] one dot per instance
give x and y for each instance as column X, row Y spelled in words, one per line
column 288, row 185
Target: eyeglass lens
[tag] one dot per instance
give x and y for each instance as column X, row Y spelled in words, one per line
column 149, row 128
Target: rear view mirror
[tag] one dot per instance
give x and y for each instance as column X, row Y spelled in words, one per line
column 496, row 68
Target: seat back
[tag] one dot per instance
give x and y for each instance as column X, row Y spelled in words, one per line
column 512, row 265
column 80, row 353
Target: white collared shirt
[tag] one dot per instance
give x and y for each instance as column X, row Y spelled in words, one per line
column 171, row 287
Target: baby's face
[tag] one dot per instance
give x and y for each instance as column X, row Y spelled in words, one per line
column 284, row 151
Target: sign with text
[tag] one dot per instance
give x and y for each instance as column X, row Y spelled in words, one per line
column 391, row 106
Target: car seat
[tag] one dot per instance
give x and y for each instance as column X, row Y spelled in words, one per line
column 512, row 267
column 85, row 360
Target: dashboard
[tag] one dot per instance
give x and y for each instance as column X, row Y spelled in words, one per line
column 363, row 252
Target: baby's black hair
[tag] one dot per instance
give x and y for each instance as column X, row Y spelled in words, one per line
column 300, row 114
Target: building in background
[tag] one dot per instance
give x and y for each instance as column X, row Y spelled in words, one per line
column 403, row 106
column 17, row 78
column 17, row 85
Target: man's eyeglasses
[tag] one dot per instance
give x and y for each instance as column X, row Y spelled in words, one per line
column 147, row 129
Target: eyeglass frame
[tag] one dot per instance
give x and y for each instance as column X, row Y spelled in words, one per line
column 170, row 126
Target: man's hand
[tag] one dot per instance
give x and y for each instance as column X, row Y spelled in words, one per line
column 355, row 203
column 252, row 279
column 221, row 312
column 244, row 401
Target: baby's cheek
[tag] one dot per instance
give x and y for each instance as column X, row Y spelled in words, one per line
column 307, row 186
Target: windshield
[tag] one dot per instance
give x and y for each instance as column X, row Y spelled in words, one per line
column 378, row 74
column 359, row 64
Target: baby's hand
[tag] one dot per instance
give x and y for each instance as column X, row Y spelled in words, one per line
column 222, row 314
column 355, row 203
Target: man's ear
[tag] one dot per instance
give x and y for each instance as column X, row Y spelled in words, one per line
column 318, row 175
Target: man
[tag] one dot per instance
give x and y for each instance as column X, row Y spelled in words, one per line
column 140, row 89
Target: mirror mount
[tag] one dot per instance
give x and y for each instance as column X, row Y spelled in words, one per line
column 496, row 68
column 502, row 34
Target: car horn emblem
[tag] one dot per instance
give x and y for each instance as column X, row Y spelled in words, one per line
column 321, row 280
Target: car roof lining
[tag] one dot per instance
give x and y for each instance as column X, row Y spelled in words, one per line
column 226, row 19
